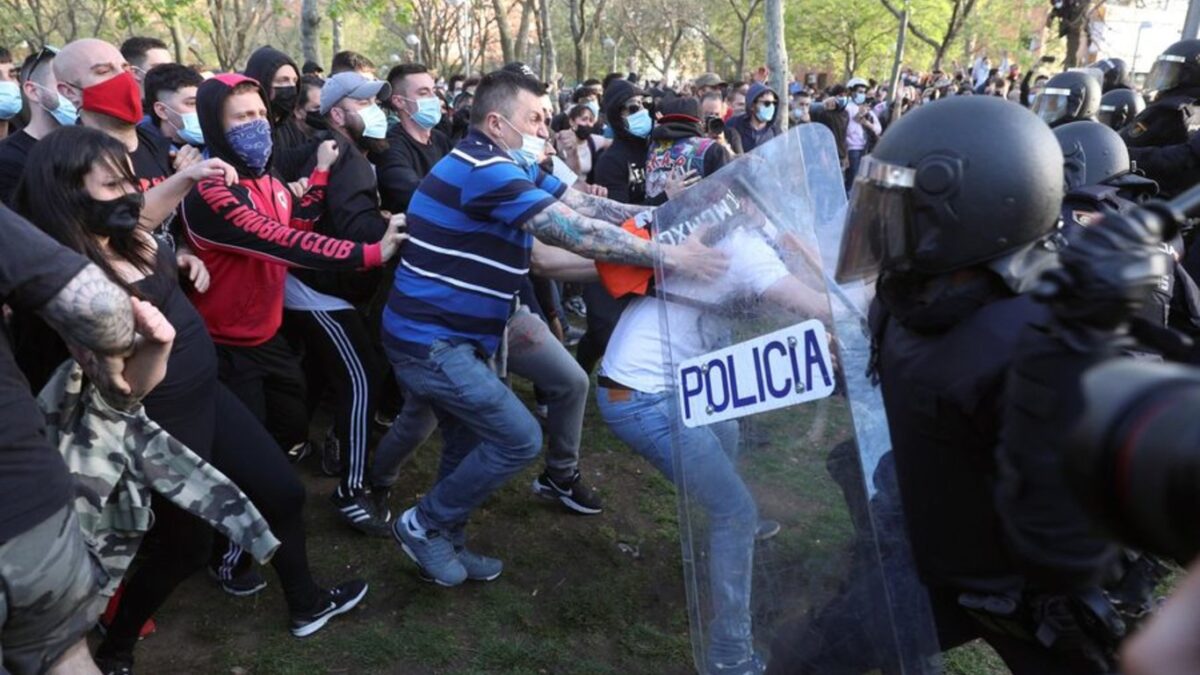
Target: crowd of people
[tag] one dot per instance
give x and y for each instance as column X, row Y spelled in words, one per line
column 220, row 255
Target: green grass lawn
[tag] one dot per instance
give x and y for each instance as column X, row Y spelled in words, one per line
column 579, row 595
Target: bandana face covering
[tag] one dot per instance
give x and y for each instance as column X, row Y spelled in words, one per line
column 116, row 97
column 252, row 143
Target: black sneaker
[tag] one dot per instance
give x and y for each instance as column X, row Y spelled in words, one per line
column 766, row 529
column 331, row 455
column 298, row 452
column 241, row 585
column 361, row 512
column 114, row 665
column 379, row 501
column 573, row 494
column 337, row 600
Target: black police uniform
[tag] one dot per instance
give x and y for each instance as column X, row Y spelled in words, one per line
column 1155, row 136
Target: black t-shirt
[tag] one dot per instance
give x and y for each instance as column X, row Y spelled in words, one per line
column 14, row 150
column 152, row 159
column 34, row 482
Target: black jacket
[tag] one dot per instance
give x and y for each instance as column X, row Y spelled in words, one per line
column 292, row 148
column 406, row 162
column 351, row 213
column 838, row 121
column 622, row 167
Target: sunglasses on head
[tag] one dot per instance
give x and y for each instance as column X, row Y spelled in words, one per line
column 35, row 59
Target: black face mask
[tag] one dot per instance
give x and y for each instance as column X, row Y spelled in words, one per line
column 115, row 217
column 582, row 133
column 283, row 100
column 315, row 120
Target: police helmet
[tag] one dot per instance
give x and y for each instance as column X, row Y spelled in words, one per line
column 1177, row 67
column 1115, row 74
column 1092, row 153
column 1119, row 106
column 1067, row 97
column 951, row 185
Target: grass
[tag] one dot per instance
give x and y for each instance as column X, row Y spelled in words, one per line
column 580, row 595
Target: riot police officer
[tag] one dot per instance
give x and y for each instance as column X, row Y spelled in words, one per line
column 1068, row 97
column 1115, row 74
column 960, row 226
column 1170, row 119
column 1098, row 180
column 1119, row 107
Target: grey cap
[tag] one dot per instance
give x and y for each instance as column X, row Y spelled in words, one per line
column 708, row 80
column 351, row 85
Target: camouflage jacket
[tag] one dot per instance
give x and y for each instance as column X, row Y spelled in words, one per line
column 117, row 458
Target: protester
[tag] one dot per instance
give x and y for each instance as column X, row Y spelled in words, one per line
column 278, row 75
column 143, row 54
column 48, row 110
column 87, row 199
column 10, row 95
column 307, row 114
column 862, row 128
column 171, row 105
column 51, row 582
column 322, row 306
column 437, row 333
column 678, row 147
column 414, row 144
column 758, row 124
column 714, row 112
column 352, row 62
column 579, row 145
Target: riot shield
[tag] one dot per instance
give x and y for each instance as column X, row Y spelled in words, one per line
column 794, row 545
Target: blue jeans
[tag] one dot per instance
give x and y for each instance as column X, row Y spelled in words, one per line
column 489, row 435
column 707, row 472
column 853, row 159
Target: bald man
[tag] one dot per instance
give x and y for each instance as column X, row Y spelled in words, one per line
column 113, row 104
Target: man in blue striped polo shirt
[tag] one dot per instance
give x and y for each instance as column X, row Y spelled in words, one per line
column 471, row 225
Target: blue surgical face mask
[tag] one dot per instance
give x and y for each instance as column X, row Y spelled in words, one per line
column 639, row 123
column 594, row 107
column 65, row 114
column 10, row 100
column 429, row 112
column 374, row 122
column 842, row 101
column 860, row 99
column 252, row 144
column 190, row 131
column 765, row 113
column 531, row 149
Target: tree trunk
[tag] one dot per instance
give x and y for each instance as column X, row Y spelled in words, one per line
column 581, row 65
column 310, row 30
column 506, row 41
column 777, row 60
column 337, row 35
column 521, row 41
column 549, row 56
column 177, row 39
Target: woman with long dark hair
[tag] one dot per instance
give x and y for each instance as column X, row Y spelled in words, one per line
column 78, row 186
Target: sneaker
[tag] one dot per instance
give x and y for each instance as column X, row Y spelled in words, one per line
column 573, row 494
column 299, row 451
column 572, row 336
column 114, row 665
column 751, row 666
column 432, row 552
column 337, row 600
column 479, row 567
column 385, row 420
column 379, row 502
column 360, row 513
column 331, row 455
column 241, row 585
column 766, row 529
column 576, row 306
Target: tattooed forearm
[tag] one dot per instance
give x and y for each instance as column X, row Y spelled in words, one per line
column 93, row 312
column 558, row 225
column 601, row 208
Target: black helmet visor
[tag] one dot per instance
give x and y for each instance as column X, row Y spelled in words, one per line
column 1166, row 74
column 877, row 220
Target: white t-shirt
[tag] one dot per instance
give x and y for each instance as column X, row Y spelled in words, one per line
column 636, row 355
column 298, row 295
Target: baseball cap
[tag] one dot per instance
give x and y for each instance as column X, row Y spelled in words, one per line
column 351, row 85
column 708, row 80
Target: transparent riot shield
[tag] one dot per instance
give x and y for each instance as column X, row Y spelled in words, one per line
column 794, row 545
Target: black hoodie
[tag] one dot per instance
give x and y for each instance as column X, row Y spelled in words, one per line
column 292, row 146
column 622, row 168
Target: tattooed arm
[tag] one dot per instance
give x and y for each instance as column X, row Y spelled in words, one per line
column 559, row 225
column 92, row 312
column 600, row 208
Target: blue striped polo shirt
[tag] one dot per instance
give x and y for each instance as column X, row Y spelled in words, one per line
column 466, row 255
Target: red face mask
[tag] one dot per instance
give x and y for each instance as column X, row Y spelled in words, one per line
column 116, row 97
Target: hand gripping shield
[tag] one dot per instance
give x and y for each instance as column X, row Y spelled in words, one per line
column 794, row 546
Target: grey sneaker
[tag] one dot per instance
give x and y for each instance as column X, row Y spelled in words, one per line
column 479, row 567
column 751, row 666
column 432, row 552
